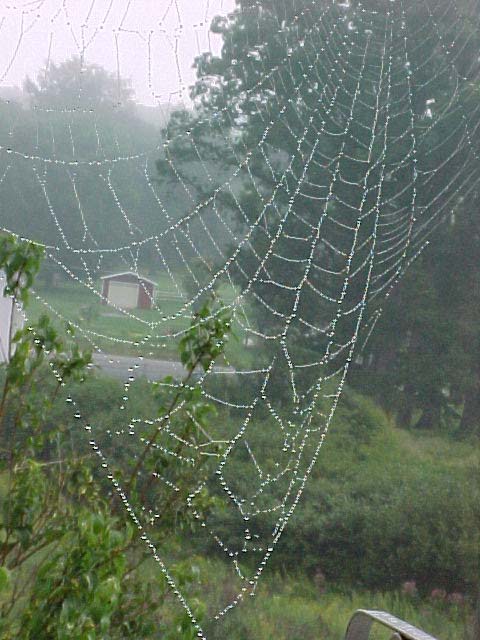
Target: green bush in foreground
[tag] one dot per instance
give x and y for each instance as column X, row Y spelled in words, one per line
column 70, row 558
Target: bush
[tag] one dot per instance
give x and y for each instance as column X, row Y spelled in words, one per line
column 381, row 508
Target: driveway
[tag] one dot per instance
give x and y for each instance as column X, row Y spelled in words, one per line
column 118, row 367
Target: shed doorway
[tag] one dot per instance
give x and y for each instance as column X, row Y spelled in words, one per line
column 123, row 294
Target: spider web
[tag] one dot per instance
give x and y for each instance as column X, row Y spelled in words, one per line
column 376, row 156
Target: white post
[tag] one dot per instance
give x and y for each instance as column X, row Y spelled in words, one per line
column 8, row 315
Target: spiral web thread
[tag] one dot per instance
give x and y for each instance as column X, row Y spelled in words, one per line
column 331, row 247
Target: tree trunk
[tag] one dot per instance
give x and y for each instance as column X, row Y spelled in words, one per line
column 470, row 422
column 430, row 417
column 476, row 621
column 405, row 413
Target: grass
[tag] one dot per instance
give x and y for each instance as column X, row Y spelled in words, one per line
column 130, row 332
column 293, row 607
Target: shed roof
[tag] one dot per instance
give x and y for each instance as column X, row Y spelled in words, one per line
column 129, row 273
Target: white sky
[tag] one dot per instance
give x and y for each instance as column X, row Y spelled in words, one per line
column 152, row 42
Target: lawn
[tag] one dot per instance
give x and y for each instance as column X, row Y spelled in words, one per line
column 153, row 333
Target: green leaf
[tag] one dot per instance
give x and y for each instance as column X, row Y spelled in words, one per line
column 4, row 579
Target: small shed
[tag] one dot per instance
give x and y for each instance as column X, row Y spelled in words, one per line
column 128, row 290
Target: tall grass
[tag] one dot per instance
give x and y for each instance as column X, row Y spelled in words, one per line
column 294, row 608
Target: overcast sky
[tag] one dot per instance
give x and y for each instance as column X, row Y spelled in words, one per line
column 152, row 42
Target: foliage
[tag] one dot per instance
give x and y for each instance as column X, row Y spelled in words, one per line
column 69, row 556
column 382, row 506
column 422, row 361
column 20, row 262
column 386, row 509
column 205, row 340
column 74, row 84
column 69, row 566
column 70, row 561
column 82, row 114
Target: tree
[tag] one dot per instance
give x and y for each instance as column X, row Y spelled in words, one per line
column 64, row 187
column 285, row 75
column 460, row 281
column 73, row 84
column 69, row 555
column 422, row 359
column 245, row 93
